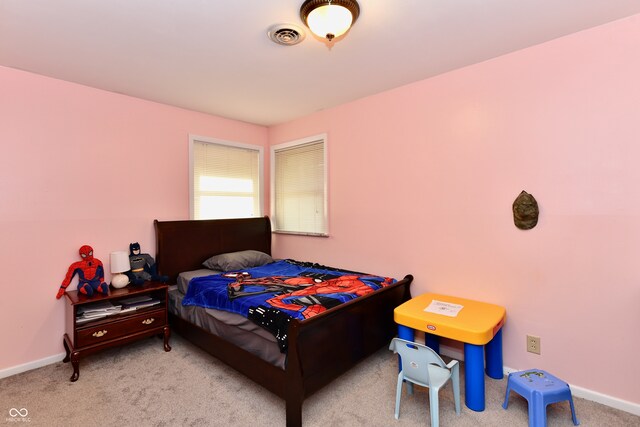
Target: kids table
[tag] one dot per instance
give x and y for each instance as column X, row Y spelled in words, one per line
column 477, row 324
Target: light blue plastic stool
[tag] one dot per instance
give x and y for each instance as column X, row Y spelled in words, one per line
column 540, row 388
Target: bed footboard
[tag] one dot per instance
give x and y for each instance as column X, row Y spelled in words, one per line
column 327, row 345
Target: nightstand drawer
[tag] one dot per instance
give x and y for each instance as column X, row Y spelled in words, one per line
column 118, row 328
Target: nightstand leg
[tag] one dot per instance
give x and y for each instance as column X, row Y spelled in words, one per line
column 75, row 362
column 167, row 334
column 67, row 349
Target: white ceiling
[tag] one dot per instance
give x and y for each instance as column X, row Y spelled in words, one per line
column 214, row 56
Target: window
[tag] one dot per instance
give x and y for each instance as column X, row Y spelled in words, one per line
column 224, row 180
column 299, row 186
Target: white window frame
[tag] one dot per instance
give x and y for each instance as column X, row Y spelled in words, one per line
column 290, row 144
column 260, row 149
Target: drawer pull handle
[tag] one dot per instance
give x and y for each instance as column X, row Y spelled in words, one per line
column 148, row 321
column 99, row 334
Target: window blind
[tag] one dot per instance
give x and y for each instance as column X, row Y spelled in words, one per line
column 299, row 187
column 225, row 181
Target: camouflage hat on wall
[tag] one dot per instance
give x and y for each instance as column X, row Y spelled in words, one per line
column 525, row 211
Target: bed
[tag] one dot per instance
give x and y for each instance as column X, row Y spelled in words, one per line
column 320, row 348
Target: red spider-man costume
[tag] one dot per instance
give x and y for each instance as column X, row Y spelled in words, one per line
column 90, row 274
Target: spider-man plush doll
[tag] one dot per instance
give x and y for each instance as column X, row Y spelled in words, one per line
column 90, row 274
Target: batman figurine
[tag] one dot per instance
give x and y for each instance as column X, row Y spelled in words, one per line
column 143, row 267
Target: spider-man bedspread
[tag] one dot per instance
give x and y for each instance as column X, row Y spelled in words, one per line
column 273, row 294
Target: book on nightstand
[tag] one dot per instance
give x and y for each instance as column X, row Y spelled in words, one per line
column 96, row 311
column 137, row 302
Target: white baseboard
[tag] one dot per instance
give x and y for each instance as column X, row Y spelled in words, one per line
column 31, row 365
column 613, row 402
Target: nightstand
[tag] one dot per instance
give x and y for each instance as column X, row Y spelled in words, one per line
column 83, row 338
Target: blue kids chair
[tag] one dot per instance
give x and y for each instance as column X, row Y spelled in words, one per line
column 421, row 365
column 540, row 388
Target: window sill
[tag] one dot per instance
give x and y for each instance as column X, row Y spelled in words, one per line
column 298, row 233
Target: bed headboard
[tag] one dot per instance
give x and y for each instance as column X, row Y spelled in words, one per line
column 184, row 245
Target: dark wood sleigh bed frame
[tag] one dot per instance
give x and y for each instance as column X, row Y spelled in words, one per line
column 320, row 348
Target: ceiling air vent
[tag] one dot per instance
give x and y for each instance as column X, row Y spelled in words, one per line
column 286, row 34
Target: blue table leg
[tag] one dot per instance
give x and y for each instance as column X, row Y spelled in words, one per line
column 474, row 376
column 408, row 334
column 432, row 341
column 493, row 355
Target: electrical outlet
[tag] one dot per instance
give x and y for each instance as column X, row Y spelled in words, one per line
column 533, row 344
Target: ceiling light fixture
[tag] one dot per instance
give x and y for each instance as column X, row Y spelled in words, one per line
column 329, row 18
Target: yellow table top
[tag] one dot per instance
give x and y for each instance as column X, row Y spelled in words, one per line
column 476, row 323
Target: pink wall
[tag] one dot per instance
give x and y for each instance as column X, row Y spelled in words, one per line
column 82, row 166
column 437, row 165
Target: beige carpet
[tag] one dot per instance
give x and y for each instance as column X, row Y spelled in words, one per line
column 142, row 385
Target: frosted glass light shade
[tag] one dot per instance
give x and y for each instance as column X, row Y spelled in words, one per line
column 329, row 18
column 329, row 21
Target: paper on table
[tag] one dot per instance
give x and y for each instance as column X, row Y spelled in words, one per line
column 444, row 308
